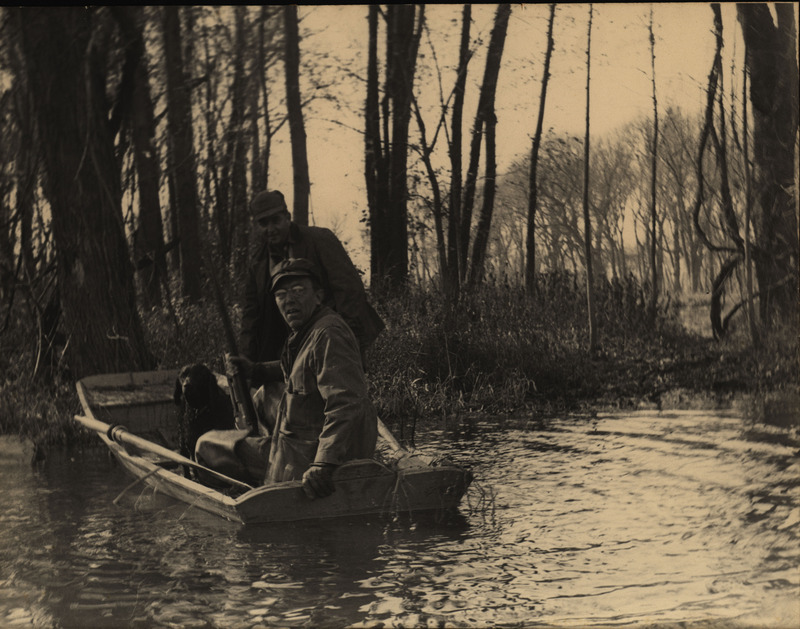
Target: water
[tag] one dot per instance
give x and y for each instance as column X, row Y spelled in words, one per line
column 688, row 519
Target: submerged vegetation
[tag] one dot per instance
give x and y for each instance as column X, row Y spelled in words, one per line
column 497, row 352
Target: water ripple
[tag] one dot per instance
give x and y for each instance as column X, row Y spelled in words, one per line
column 633, row 519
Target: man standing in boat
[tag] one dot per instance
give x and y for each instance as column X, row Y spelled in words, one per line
column 263, row 331
column 325, row 416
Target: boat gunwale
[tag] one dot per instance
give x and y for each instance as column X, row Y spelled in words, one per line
column 229, row 507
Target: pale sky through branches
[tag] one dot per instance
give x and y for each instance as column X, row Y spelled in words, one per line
column 620, row 88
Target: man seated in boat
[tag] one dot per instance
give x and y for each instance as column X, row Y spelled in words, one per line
column 324, row 416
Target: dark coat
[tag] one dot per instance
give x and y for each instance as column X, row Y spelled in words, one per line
column 264, row 331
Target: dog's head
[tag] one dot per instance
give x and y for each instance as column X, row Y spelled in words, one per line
column 195, row 386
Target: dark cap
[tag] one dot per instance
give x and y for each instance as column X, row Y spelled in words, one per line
column 268, row 203
column 293, row 267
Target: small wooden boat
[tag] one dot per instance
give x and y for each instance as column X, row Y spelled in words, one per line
column 135, row 416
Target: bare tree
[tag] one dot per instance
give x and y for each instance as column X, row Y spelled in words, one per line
column 653, row 178
column 237, row 143
column 587, row 223
column 179, row 120
column 149, row 235
column 95, row 276
column 386, row 140
column 485, row 119
column 302, row 186
column 772, row 63
column 530, row 240
column 748, row 209
column 454, row 251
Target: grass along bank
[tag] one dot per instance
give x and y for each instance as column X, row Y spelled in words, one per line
column 499, row 352
column 495, row 352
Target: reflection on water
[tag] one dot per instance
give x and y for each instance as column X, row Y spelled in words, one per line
column 636, row 519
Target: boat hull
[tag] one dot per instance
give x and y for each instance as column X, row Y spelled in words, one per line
column 142, row 402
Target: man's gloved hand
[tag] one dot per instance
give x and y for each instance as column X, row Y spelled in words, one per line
column 318, row 481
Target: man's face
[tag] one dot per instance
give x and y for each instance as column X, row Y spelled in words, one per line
column 297, row 300
column 275, row 228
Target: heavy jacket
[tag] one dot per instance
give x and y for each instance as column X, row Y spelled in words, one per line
column 263, row 330
column 325, row 415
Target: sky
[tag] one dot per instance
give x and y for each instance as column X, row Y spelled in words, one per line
column 621, row 88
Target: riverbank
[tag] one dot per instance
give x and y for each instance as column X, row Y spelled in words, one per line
column 496, row 352
column 500, row 352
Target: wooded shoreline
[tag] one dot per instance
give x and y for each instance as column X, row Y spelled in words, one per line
column 497, row 353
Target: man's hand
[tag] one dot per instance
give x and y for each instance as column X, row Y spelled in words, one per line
column 318, row 481
column 238, row 364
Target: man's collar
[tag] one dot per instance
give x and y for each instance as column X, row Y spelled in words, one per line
column 291, row 239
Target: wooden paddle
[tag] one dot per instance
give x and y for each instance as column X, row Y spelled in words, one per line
column 120, row 435
column 384, row 432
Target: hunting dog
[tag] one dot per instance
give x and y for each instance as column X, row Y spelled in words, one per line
column 203, row 406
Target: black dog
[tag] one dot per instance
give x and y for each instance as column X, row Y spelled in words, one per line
column 203, row 406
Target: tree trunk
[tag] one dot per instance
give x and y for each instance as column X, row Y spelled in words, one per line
column 258, row 174
column 454, row 261
column 8, row 266
column 262, row 76
column 530, row 239
column 95, row 275
column 482, row 118
column 302, row 185
column 179, row 126
column 403, row 43
column 653, row 180
column 216, row 173
column 748, row 209
column 772, row 62
column 374, row 162
column 237, row 149
column 587, row 223
column 27, row 167
column 437, row 208
column 149, row 246
column 386, row 169
column 489, row 89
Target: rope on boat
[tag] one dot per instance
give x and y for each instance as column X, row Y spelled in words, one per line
column 485, row 501
column 189, row 508
column 134, row 483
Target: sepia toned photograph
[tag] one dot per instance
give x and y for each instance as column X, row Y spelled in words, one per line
column 400, row 316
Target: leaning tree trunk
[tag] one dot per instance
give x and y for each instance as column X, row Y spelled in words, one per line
column 95, row 275
column 487, row 115
column 772, row 61
column 485, row 108
column 533, row 184
column 297, row 129
column 179, row 126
